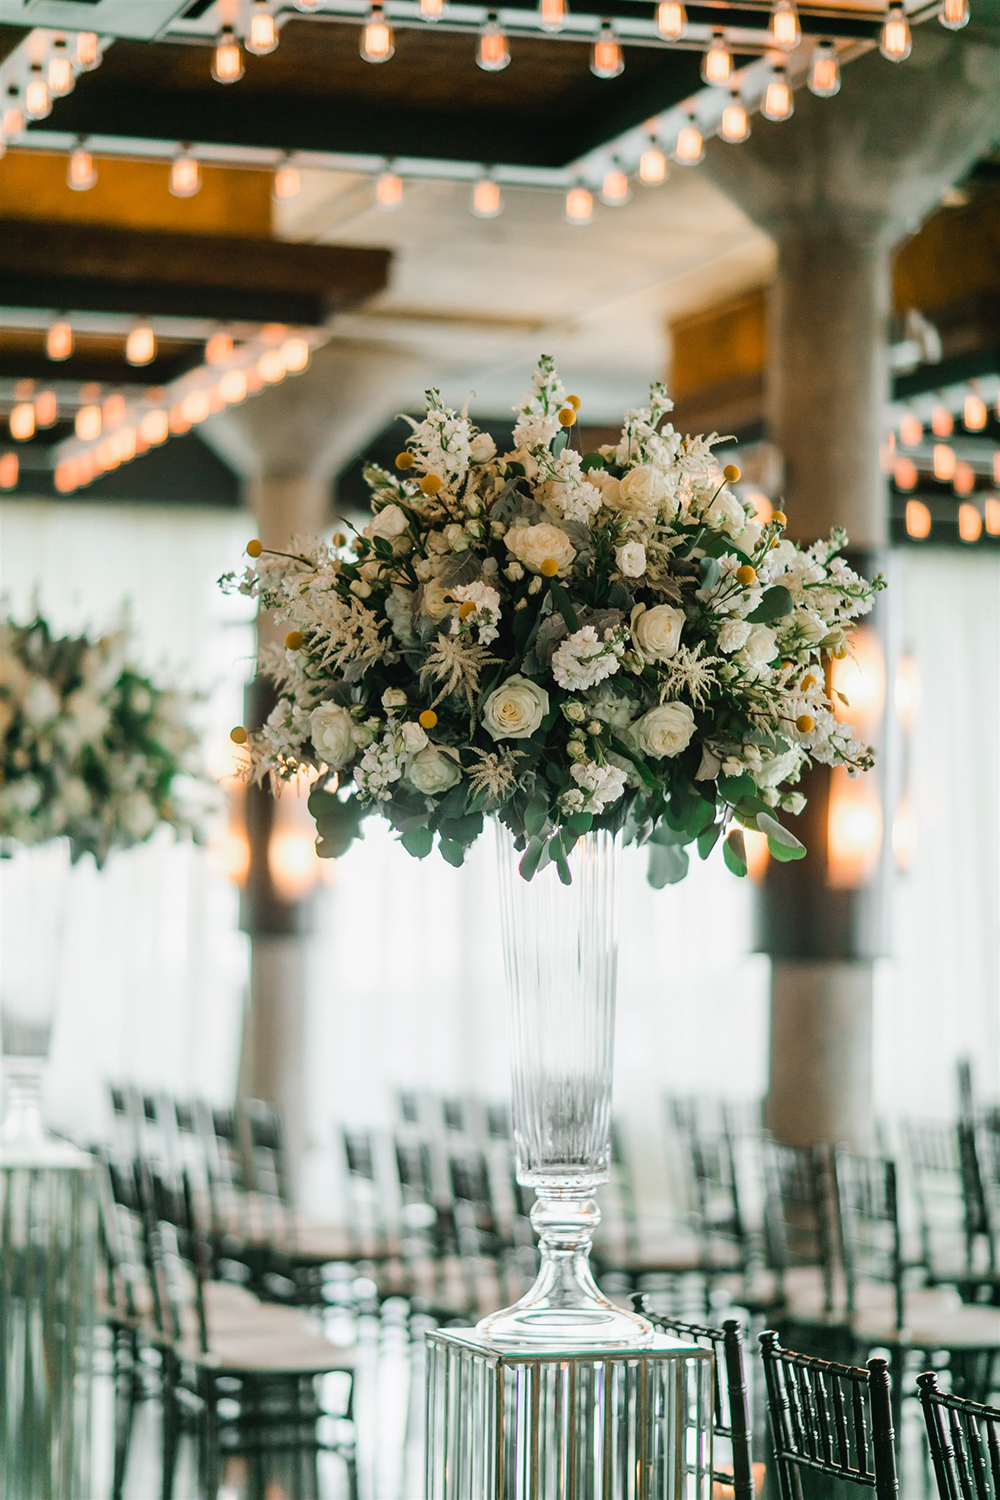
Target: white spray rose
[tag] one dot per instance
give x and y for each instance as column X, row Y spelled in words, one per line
column 389, row 523
column 332, row 731
column 664, row 731
column 631, row 558
column 760, row 647
column 642, row 491
column 482, row 448
column 514, row 710
column 656, row 632
column 393, row 698
column 433, row 770
column 534, row 545
column 726, row 514
column 733, row 635
column 414, row 738
column 778, row 768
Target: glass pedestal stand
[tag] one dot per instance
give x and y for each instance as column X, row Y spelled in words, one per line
column 603, row 1424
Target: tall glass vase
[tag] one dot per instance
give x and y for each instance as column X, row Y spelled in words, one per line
column 561, row 959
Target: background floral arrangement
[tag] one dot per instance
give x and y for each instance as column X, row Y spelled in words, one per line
column 90, row 748
column 567, row 641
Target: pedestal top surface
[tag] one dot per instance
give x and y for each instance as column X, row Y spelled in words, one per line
column 662, row 1347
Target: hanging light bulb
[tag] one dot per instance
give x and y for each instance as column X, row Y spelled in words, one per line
column 689, row 147
column 970, row 522
column 46, row 408
column 493, row 53
column 233, row 387
column 552, row 14
column 81, row 174
column 13, row 115
column 308, row 5
column 218, row 349
column 778, row 102
column 974, row 413
column 991, row 508
column 942, row 421
column 22, row 421
column 9, row 469
column 653, row 164
column 786, row 32
column 487, row 201
column 60, row 72
column 296, row 352
column 262, row 37
column 717, row 62
column 963, row 483
column 954, row 14
column 615, row 188
column 185, row 175
column 735, row 123
column 37, row 100
column 911, row 429
column 895, row 42
column 945, row 462
column 287, row 180
column 824, row 71
column 59, row 340
column 140, row 346
column 388, row 189
column 579, row 208
column 671, row 19
column 227, row 59
column 88, row 51
column 377, row 44
column 113, row 410
column 606, row 59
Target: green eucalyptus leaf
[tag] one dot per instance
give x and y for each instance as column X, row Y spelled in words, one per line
column 642, row 766
column 451, row 851
column 734, row 852
column 733, row 788
column 536, row 814
column 667, row 865
column 785, row 853
column 593, row 461
column 776, row 603
column 531, row 858
column 777, row 833
column 419, row 842
column 708, row 840
column 564, row 605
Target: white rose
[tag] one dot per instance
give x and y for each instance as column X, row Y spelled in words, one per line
column 433, row 770
column 390, row 522
column 778, row 768
column 657, row 631
column 414, row 738
column 631, row 559
column 482, row 448
column 534, row 545
column 666, row 730
column 514, row 710
column 642, row 491
column 436, row 601
column 761, row 646
column 332, row 731
column 726, row 514
column 393, row 698
column 609, row 486
column 732, row 635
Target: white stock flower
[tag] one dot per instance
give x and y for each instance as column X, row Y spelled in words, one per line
column 656, row 632
column 726, row 514
column 331, row 729
column 631, row 559
column 583, row 659
column 732, row 635
column 485, row 613
column 433, row 770
column 86, row 717
column 514, row 710
column 778, row 768
column 603, row 785
column 534, row 545
column 664, row 731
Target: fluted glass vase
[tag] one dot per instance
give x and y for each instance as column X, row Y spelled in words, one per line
column 561, row 958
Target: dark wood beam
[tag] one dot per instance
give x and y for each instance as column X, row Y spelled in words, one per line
column 94, row 368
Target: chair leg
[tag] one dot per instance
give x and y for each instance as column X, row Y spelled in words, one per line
column 125, row 1355
column 171, row 1418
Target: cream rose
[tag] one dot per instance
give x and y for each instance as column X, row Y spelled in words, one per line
column 760, row 647
column 514, row 710
column 534, row 545
column 437, row 601
column 482, row 448
column 642, row 491
column 609, row 486
column 664, row 731
column 631, row 558
column 433, row 770
column 331, row 729
column 390, row 522
column 656, row 632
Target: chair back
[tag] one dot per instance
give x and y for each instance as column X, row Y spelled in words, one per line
column 964, row 1439
column 798, row 1210
column 868, row 1219
column 979, row 1164
column 709, row 1156
column 933, row 1162
column 830, row 1419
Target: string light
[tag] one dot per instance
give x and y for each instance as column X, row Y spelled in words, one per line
column 717, row 62
column 918, row 520
column 233, row 387
column 60, row 74
column 227, row 59
column 493, row 53
column 88, row 51
column 551, row 14
column 196, row 406
column 911, row 430
column 970, row 522
column 606, row 59
column 296, row 353
column 10, row 467
column 262, row 37
column 377, row 44
column 992, row 509
column 653, row 164
column 37, row 100
column 689, row 148
column 778, row 102
column 388, row 189
column 824, row 71
column 155, row 427
column 579, row 207
column 22, row 421
column 954, row 14
column 431, row 10
column 185, row 175
column 944, row 462
column 487, row 201
column 308, row 5
column 996, row 466
column 963, row 483
column 615, row 188
column 140, row 346
column 218, row 349
column 671, row 19
column 905, row 473
column 786, row 32
column 13, row 115
column 113, row 410
column 974, row 413
column 287, row 181
column 271, row 367
column 895, row 42
column 942, row 421
column 81, row 174
column 734, row 126
column 59, row 340
column 46, row 408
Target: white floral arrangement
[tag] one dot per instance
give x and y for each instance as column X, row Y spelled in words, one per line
column 91, row 749
column 566, row 641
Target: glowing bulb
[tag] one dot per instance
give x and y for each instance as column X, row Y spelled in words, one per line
column 287, row 181
column 388, row 189
column 59, row 341
column 487, row 201
column 60, row 74
column 263, row 34
column 431, row 9
column 218, row 349
column 233, row 387
column 689, row 148
column 88, row 52
column 377, row 44
column 942, row 422
column 963, row 483
column 905, row 474
column 37, row 100
column 944, row 462
column 717, row 62
column 970, row 522
column 81, row 173
column 46, row 408
column 778, row 103
column 13, row 116
column 615, row 188
column 954, row 14
column 296, row 353
column 895, row 42
column 140, row 346
column 185, row 176
column 907, row 691
column 179, row 423
column 824, row 71
column 996, row 466
column 196, row 406
column 904, row 835
column 552, row 14
column 10, row 467
column 974, row 413
column 671, row 19
column 918, row 520
column 126, row 444
column 22, row 421
column 854, row 831
column 113, row 410
column 579, row 208
column 227, row 59
column 992, row 509
column 652, row 164
column 911, row 429
column 493, row 53
column 735, row 123
column 271, row 367
column 606, row 59
column 155, row 427
column 786, row 32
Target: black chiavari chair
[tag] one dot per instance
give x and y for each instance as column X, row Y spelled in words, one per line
column 964, row 1439
column 799, row 1234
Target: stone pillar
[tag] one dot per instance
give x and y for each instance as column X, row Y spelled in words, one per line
column 838, row 187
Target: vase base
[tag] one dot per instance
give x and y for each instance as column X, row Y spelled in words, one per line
column 537, row 1324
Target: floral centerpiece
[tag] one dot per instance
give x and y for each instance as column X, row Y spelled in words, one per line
column 91, row 749
column 570, row 641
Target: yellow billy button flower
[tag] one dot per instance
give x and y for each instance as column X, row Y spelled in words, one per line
column 746, row 575
column 840, row 653
column 574, row 402
column 731, row 473
column 404, row 460
column 254, row 548
column 339, row 539
column 549, row 567
column 567, row 416
column 294, row 639
column 430, row 484
column 779, row 518
column 428, row 719
column 805, row 723
column 238, row 735
column 808, row 682
column 467, row 609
